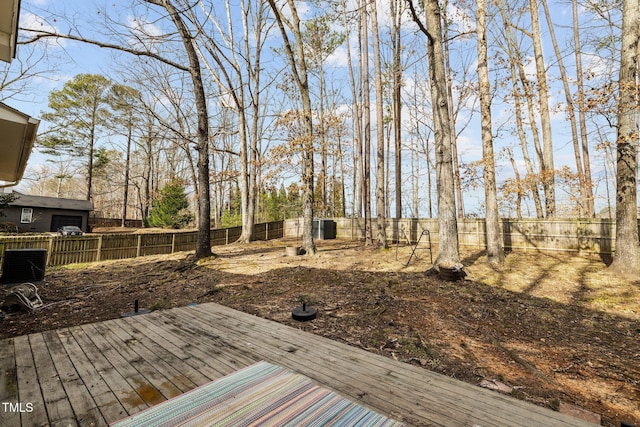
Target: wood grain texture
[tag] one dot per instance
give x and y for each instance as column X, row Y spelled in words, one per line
column 99, row 373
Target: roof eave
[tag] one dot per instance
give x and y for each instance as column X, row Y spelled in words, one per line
column 9, row 18
column 19, row 131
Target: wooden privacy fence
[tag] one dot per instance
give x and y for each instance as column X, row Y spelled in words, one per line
column 558, row 234
column 114, row 222
column 99, row 247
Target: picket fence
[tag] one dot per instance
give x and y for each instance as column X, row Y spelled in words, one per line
column 99, row 247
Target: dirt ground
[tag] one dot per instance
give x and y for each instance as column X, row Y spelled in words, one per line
column 547, row 328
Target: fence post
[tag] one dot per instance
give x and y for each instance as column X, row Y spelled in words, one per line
column 226, row 238
column 173, row 242
column 50, row 250
column 266, row 231
column 99, row 253
column 139, row 244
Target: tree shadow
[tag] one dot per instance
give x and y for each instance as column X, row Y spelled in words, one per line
column 472, row 258
column 414, row 317
column 373, row 306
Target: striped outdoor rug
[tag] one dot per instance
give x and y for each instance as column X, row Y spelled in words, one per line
column 258, row 395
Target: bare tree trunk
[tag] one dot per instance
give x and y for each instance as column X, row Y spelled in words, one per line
column 454, row 139
column 585, row 193
column 298, row 66
column 415, row 182
column 581, row 112
column 518, row 183
column 127, row 166
column 495, row 247
column 148, row 172
column 357, row 122
column 92, row 137
column 203, row 244
column 366, row 92
column 322, row 176
column 627, row 253
column 548, row 178
column 514, row 61
column 380, row 193
column 387, row 171
column 343, row 202
column 396, row 41
column 448, row 249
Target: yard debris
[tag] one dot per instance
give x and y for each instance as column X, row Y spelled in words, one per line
column 24, row 295
column 580, row 413
column 496, row 386
column 500, row 317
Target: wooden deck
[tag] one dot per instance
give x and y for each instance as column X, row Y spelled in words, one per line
column 95, row 374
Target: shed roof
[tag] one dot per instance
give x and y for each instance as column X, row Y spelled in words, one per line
column 25, row 200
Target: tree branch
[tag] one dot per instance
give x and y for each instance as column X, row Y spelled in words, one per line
column 42, row 34
column 414, row 15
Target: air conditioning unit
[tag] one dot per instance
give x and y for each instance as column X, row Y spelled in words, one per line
column 23, row 265
column 324, row 229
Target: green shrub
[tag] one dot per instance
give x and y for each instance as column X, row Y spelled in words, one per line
column 171, row 208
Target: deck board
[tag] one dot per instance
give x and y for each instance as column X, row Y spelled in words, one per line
column 85, row 410
column 152, row 357
column 57, row 404
column 99, row 373
column 107, row 403
column 108, row 376
column 8, row 383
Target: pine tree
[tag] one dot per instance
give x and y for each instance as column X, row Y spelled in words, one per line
column 171, row 208
column 77, row 112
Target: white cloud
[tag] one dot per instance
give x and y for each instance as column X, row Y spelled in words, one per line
column 338, row 58
column 303, row 9
column 597, row 65
column 34, row 22
column 469, row 147
column 144, row 33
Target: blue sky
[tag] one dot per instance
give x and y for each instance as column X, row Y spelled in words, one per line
column 69, row 58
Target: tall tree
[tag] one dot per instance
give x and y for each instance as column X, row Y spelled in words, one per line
column 77, row 112
column 123, row 100
column 548, row 173
column 522, row 91
column 366, row 114
column 380, row 190
column 448, row 246
column 627, row 254
column 356, row 112
column 320, row 42
column 585, row 207
column 452, row 114
column 397, row 12
column 203, row 244
column 297, row 62
column 584, row 139
column 236, row 69
column 149, row 50
column 495, row 247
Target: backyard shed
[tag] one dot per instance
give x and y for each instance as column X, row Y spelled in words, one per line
column 38, row 214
